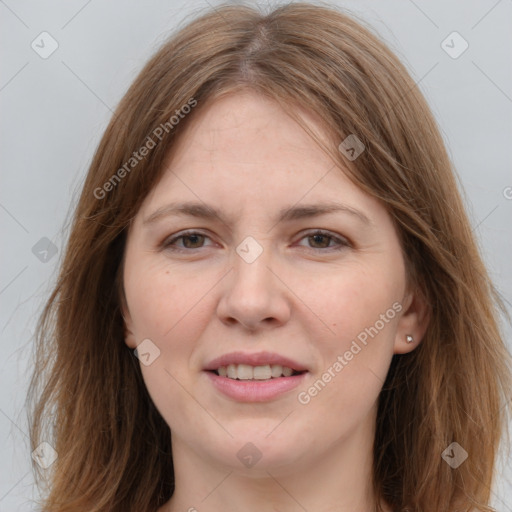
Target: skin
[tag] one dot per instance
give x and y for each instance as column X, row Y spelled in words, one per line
column 301, row 298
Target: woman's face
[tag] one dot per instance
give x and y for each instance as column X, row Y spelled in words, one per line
column 254, row 291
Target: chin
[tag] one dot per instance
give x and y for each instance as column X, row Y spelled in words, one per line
column 256, row 453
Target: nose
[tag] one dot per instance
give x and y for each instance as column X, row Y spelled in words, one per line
column 254, row 296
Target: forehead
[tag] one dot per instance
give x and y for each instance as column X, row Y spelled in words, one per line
column 246, row 145
column 250, row 127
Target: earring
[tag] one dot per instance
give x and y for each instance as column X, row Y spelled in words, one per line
column 409, row 338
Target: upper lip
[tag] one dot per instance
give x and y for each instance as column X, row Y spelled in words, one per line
column 254, row 359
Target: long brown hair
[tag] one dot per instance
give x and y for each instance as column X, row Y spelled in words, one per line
column 87, row 394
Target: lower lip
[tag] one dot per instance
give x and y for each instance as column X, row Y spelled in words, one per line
column 255, row 390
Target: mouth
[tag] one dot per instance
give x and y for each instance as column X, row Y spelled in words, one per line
column 256, row 377
column 255, row 373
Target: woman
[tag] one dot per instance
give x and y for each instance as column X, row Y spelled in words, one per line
column 271, row 297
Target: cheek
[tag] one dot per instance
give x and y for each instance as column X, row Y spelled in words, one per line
column 355, row 297
column 165, row 308
column 361, row 306
column 161, row 301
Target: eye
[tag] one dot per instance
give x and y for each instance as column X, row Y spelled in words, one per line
column 190, row 240
column 322, row 240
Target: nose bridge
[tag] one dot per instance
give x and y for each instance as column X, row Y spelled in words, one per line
column 253, row 293
column 251, row 267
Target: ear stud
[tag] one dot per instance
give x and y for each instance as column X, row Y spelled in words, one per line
column 409, row 338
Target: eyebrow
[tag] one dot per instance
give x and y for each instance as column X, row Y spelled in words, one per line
column 291, row 213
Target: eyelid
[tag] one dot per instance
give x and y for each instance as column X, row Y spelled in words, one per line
column 342, row 241
column 166, row 243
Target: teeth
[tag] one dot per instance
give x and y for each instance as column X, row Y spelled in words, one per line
column 287, row 371
column 231, row 370
column 262, row 372
column 248, row 372
column 277, row 370
column 244, row 372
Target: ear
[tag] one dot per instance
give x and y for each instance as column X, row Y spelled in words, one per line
column 413, row 322
column 129, row 336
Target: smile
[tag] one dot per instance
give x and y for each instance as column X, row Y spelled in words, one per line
column 254, row 377
column 249, row 372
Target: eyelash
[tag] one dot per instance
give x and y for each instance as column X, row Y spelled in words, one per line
column 342, row 242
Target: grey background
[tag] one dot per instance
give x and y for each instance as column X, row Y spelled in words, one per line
column 54, row 111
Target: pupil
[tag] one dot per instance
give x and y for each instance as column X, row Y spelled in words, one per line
column 315, row 238
column 188, row 237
